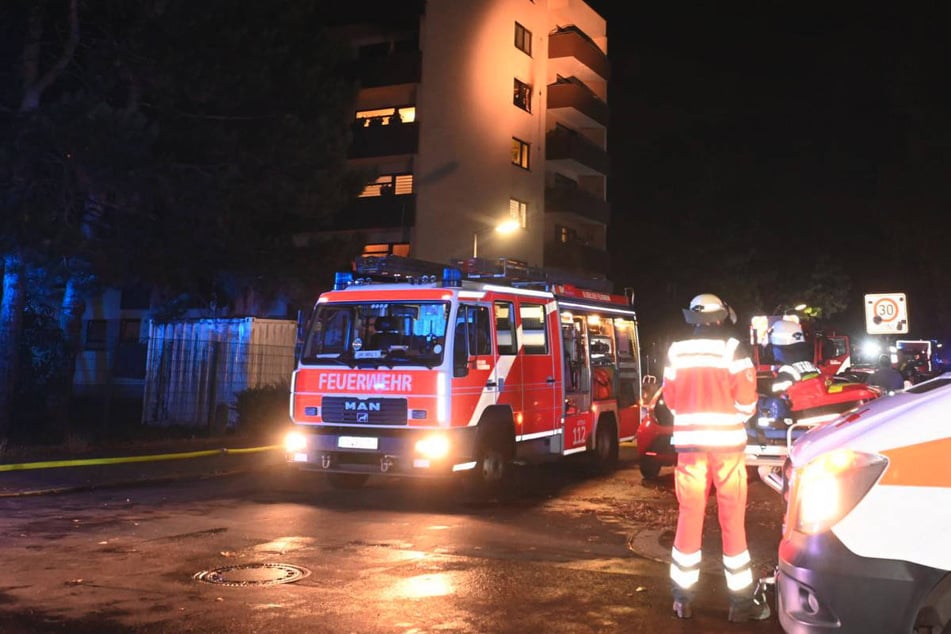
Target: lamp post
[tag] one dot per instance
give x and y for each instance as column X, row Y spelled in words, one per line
column 504, row 227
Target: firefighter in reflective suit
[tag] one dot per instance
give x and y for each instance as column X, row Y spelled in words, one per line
column 710, row 387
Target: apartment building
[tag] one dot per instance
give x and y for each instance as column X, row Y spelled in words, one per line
column 470, row 114
column 473, row 114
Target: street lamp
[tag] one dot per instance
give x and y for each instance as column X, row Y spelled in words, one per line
column 505, row 227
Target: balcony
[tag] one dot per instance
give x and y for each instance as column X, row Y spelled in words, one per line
column 384, row 140
column 572, row 200
column 580, row 56
column 402, row 67
column 577, row 104
column 577, row 154
column 377, row 212
column 578, row 258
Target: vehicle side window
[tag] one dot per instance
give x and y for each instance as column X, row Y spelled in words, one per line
column 534, row 332
column 473, row 336
column 480, row 337
column 505, row 340
column 629, row 380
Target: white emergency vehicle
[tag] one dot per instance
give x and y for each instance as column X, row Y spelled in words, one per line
column 409, row 368
column 866, row 544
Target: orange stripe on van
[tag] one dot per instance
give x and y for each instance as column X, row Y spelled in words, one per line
column 923, row 465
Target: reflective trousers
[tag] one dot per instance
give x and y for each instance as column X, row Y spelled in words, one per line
column 695, row 473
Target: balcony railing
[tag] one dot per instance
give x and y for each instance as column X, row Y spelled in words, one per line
column 578, row 258
column 403, row 67
column 572, row 43
column 377, row 212
column 576, row 96
column 384, row 140
column 561, row 199
column 565, row 145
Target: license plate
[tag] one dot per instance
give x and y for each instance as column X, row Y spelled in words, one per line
column 357, row 442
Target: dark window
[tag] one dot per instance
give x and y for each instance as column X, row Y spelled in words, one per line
column 522, row 96
column 523, row 39
column 96, row 330
column 129, row 329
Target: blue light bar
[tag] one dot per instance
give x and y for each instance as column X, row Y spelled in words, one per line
column 451, row 277
column 342, row 279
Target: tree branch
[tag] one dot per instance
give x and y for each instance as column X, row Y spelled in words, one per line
column 33, row 88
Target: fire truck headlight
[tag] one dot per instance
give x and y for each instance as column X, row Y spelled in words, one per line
column 829, row 487
column 433, row 447
column 294, row 442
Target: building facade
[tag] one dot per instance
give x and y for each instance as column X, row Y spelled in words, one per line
column 475, row 113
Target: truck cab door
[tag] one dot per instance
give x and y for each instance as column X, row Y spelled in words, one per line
column 473, row 364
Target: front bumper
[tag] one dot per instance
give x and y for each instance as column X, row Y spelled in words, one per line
column 821, row 586
column 386, row 451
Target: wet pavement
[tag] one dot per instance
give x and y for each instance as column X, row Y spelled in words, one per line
column 651, row 513
column 643, row 510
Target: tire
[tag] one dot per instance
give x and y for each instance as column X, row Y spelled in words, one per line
column 492, row 472
column 604, row 454
column 347, row 481
column 649, row 467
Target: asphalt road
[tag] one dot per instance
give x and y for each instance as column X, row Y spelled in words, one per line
column 117, row 547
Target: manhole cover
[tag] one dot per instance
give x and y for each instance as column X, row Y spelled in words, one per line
column 253, row 575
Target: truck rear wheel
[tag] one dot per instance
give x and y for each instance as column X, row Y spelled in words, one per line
column 605, row 451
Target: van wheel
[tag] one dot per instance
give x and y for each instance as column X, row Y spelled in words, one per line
column 347, row 481
column 649, row 467
column 934, row 613
column 605, row 451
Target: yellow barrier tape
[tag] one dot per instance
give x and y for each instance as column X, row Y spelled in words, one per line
column 53, row 464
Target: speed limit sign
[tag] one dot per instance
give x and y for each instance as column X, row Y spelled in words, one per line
column 886, row 314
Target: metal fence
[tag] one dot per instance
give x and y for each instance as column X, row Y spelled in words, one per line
column 193, row 379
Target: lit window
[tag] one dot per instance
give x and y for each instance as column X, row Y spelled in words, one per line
column 389, row 185
column 522, row 96
column 379, row 250
column 523, row 39
column 518, row 210
column 520, row 151
column 385, row 116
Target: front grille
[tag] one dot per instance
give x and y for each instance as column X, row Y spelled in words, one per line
column 364, row 411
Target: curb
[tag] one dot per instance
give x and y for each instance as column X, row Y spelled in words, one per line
column 57, row 464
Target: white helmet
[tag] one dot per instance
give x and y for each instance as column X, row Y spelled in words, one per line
column 786, row 333
column 707, row 308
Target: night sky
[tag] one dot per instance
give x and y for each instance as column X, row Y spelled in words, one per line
column 807, row 131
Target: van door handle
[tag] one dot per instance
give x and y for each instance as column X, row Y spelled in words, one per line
column 550, row 379
column 490, row 384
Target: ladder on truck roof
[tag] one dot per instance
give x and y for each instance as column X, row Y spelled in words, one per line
column 505, row 271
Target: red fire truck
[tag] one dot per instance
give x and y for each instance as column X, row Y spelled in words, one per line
column 409, row 368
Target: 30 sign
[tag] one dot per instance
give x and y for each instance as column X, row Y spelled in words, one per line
column 886, row 314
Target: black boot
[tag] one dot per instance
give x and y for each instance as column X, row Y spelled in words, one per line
column 683, row 606
column 748, row 608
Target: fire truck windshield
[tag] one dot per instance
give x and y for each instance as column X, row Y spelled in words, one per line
column 377, row 333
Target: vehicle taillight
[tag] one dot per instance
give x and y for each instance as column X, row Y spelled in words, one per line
column 829, row 487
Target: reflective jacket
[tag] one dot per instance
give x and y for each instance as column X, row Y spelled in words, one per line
column 710, row 387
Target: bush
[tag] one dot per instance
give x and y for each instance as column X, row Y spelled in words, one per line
column 263, row 410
